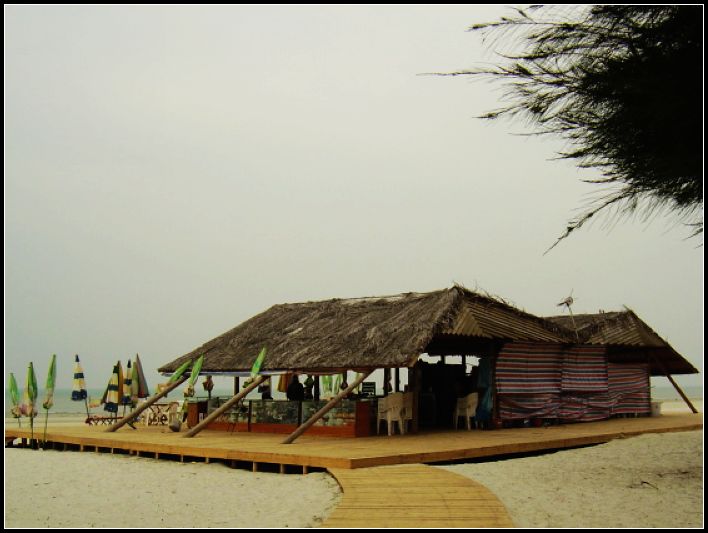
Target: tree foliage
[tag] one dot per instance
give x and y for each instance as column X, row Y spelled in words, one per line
column 624, row 86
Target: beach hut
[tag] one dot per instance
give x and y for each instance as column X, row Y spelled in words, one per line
column 391, row 332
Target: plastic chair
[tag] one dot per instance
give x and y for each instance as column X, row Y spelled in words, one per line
column 396, row 407
column 174, row 412
column 381, row 412
column 466, row 407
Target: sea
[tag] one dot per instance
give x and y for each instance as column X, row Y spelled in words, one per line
column 64, row 406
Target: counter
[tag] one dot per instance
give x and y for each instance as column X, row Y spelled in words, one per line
column 349, row 418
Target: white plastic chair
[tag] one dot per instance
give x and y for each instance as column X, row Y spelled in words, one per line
column 396, row 407
column 381, row 412
column 174, row 412
column 466, row 407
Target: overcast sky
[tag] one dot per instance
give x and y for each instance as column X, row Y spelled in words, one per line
column 173, row 171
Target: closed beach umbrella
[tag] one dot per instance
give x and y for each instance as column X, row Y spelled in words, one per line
column 139, row 381
column 188, row 391
column 29, row 396
column 112, row 392
column 15, row 398
column 49, row 386
column 178, row 373
column 256, row 368
column 126, row 389
column 194, row 374
column 49, row 391
column 78, row 391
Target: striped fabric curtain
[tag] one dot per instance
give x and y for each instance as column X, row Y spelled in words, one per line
column 584, row 385
column 584, row 369
column 528, row 380
column 629, row 388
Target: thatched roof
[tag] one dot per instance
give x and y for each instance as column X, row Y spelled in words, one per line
column 626, row 334
column 378, row 332
column 363, row 333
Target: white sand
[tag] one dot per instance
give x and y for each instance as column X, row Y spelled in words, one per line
column 74, row 489
column 652, row 480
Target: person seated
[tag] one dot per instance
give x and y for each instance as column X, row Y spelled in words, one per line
column 295, row 391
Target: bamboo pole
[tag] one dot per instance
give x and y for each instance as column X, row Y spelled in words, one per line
column 218, row 412
column 319, row 414
column 138, row 410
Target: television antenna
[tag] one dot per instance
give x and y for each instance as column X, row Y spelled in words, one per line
column 568, row 302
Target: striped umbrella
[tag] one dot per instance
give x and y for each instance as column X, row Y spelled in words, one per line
column 49, row 391
column 15, row 397
column 29, row 396
column 126, row 389
column 78, row 391
column 112, row 392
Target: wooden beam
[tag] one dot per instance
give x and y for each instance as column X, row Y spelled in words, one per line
column 138, row 410
column 233, row 401
column 319, row 414
column 678, row 389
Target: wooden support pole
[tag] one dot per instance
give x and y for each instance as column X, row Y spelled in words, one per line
column 414, row 386
column 678, row 389
column 138, row 410
column 319, row 414
column 221, row 410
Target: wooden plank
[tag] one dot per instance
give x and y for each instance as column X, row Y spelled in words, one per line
column 414, row 496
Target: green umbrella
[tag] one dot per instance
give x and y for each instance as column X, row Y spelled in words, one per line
column 178, row 373
column 196, row 368
column 256, row 368
column 29, row 396
column 15, row 397
column 49, row 392
column 189, row 391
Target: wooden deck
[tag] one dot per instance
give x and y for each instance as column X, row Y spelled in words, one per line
column 413, row 496
column 255, row 450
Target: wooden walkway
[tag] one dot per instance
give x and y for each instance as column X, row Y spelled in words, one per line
column 413, row 496
column 254, row 450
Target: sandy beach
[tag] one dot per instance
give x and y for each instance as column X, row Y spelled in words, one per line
column 653, row 480
column 73, row 489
